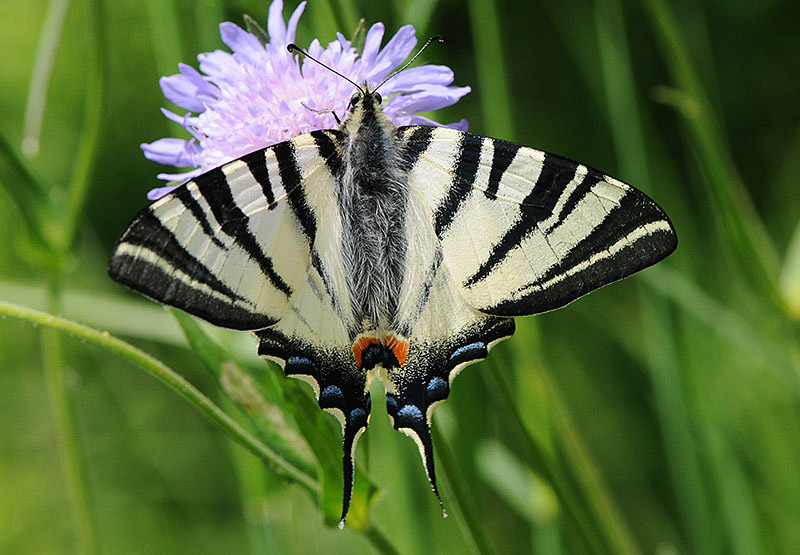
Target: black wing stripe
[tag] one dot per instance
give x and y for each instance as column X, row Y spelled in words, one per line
column 503, row 154
column 417, row 142
column 326, row 143
column 536, row 207
column 556, row 174
column 632, row 212
column 257, row 164
column 213, row 185
column 590, row 265
column 291, row 179
column 584, row 188
column 190, row 203
column 162, row 286
column 465, row 170
column 149, row 233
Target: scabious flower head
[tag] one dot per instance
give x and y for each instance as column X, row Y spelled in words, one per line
column 261, row 94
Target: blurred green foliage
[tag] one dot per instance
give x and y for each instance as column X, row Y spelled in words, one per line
column 659, row 414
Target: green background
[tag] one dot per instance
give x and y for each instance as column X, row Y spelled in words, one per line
column 661, row 414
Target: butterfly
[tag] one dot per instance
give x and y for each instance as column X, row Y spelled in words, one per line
column 397, row 253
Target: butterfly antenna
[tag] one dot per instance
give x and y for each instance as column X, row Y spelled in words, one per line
column 438, row 38
column 293, row 48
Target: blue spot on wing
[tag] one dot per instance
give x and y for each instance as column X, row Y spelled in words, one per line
column 300, row 365
column 467, row 353
column 331, row 394
column 466, row 349
column 410, row 412
column 436, row 390
column 357, row 416
column 436, row 384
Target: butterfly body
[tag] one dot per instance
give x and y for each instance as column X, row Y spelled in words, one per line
column 397, row 253
column 372, row 204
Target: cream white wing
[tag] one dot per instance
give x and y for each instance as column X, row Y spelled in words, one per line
column 523, row 231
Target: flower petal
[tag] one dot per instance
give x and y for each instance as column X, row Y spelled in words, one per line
column 182, row 177
column 175, row 152
column 172, row 116
column 158, row 192
column 219, row 65
column 188, row 89
column 275, row 25
column 399, row 47
column 243, row 44
column 415, row 78
column 257, row 95
column 372, row 44
column 291, row 28
column 432, row 98
column 422, row 120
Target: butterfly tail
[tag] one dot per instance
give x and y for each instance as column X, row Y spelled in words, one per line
column 344, row 395
column 353, row 428
column 340, row 387
column 411, row 409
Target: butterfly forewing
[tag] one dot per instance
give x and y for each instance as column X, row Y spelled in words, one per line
column 233, row 244
column 523, row 231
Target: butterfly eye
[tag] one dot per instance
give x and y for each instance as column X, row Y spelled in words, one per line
column 354, row 100
column 378, row 98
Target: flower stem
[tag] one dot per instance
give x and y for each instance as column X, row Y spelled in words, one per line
column 169, row 377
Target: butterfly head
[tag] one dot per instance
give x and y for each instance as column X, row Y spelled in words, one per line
column 364, row 97
column 366, row 118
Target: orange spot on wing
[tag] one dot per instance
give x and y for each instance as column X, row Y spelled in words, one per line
column 360, row 344
column 398, row 346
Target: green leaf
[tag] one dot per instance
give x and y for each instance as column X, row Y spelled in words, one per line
column 265, row 408
column 255, row 29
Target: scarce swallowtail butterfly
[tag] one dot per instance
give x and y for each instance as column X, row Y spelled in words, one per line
column 398, row 253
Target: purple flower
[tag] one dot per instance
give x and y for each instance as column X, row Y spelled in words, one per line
column 261, row 94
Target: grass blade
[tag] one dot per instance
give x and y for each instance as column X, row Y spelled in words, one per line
column 42, row 70
column 493, row 82
column 168, row 377
column 740, row 221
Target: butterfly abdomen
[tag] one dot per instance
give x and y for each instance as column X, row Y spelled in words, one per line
column 372, row 202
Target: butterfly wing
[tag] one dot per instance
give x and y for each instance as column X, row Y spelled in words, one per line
column 255, row 245
column 497, row 230
column 229, row 246
column 524, row 231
